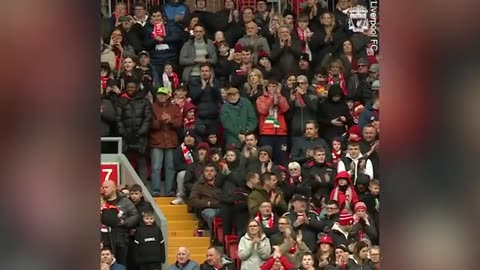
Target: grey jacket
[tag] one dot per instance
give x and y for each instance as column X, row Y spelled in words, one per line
column 253, row 258
column 191, row 265
column 130, row 216
column 259, row 43
column 187, row 57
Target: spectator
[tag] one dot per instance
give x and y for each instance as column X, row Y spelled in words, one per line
column 107, row 115
column 304, row 220
column 170, row 78
column 242, row 66
column 120, row 47
column 334, row 114
column 319, row 174
column 344, row 192
column 342, row 258
column 206, row 17
column 341, row 230
column 183, row 157
column 108, row 261
column 195, row 170
column 358, row 85
column 327, row 38
column 293, row 246
column 196, row 51
column 368, row 147
column 120, row 10
column 375, row 256
column 289, row 84
column 302, row 149
column 372, row 200
column 371, row 112
column 205, row 195
column 285, row 52
column 238, row 118
column 183, row 261
column 277, row 262
column 254, row 246
column 272, row 107
column 265, row 66
column 134, row 118
column 273, row 25
column 223, row 66
column 308, row 262
column 295, row 183
column 355, row 163
column 325, row 256
column 227, row 19
column 215, row 261
column 150, row 246
column 337, row 150
column 330, row 215
column 319, row 84
column 163, row 141
column 161, row 41
column 303, row 34
column 255, row 85
column 267, row 192
column 303, row 108
column 360, row 256
column 132, row 32
column 136, row 196
column 140, row 14
column 289, row 19
column 267, row 219
column 176, row 12
column 249, row 151
column 283, row 224
column 207, row 99
column 127, row 220
column 107, row 55
column 304, row 68
column 262, row 14
column 255, row 40
column 363, row 225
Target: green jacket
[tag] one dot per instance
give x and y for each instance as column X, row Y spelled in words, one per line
column 237, row 119
column 260, row 195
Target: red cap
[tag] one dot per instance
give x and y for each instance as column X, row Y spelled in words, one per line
column 263, row 53
column 238, row 48
column 325, row 239
column 360, row 205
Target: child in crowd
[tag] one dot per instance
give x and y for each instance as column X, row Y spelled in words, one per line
column 189, row 116
column 105, row 74
column 149, row 243
column 219, row 37
column 337, row 151
column 170, row 78
column 213, row 142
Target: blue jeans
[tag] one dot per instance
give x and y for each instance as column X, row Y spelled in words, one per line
column 158, row 156
column 208, row 214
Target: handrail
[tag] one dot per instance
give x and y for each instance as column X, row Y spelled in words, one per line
column 119, row 141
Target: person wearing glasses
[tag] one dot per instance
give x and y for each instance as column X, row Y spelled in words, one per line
column 254, row 247
column 329, row 215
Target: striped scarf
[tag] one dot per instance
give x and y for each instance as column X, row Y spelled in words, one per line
column 348, row 195
column 270, row 221
column 340, row 80
column 187, row 154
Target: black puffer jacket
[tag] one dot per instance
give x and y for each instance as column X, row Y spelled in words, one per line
column 299, row 114
column 207, row 100
column 107, row 113
column 129, row 215
column 323, row 186
column 134, row 118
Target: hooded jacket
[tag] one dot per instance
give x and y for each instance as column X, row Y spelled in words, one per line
column 330, row 110
column 237, row 119
column 342, row 196
column 272, row 122
column 128, row 213
column 322, row 187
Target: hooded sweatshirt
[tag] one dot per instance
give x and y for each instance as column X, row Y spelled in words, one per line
column 344, row 195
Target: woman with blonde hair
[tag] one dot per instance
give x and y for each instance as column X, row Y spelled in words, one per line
column 327, row 38
column 254, row 86
column 276, row 20
column 254, row 247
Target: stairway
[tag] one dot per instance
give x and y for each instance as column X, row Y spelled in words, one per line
column 181, row 226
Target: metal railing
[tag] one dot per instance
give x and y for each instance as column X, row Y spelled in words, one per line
column 119, row 141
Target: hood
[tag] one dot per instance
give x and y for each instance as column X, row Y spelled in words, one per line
column 335, row 90
column 266, row 148
column 343, row 175
column 187, row 107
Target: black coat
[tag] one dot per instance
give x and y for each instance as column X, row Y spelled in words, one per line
column 134, row 118
column 330, row 110
column 298, row 115
column 310, row 230
column 179, row 160
column 150, row 246
column 285, row 60
column 319, row 188
column 107, row 116
column 320, row 48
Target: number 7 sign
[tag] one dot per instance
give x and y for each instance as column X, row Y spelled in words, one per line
column 110, row 171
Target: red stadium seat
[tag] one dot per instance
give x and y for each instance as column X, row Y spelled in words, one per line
column 230, row 240
column 218, row 230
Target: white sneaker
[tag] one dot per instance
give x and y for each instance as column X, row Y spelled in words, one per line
column 178, row 201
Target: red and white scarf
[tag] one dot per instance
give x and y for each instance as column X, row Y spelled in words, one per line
column 305, row 47
column 188, row 123
column 336, row 155
column 158, row 30
column 340, row 80
column 270, row 221
column 297, row 181
column 187, row 154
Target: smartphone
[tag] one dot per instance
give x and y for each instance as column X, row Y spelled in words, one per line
column 112, row 82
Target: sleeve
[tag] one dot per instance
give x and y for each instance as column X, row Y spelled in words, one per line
column 298, row 153
column 176, row 118
column 283, row 104
column 212, row 53
column 263, row 104
column 363, row 118
column 253, row 205
column 162, row 245
column 268, row 264
column 276, row 52
column 147, row 119
column 264, row 248
column 195, row 91
column 369, row 169
column 340, row 166
column 252, row 120
column 312, row 102
column 120, row 125
column 132, row 215
column 245, row 249
column 265, row 45
column 185, row 59
column 173, row 37
column 195, row 198
column 108, row 113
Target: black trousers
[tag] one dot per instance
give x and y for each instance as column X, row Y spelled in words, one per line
column 152, row 266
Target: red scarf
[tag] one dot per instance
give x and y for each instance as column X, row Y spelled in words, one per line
column 187, row 154
column 118, row 62
column 174, row 79
column 301, row 36
column 270, row 221
column 340, row 80
column 292, row 180
column 104, row 81
column 301, row 102
column 188, row 123
column 336, row 156
column 158, row 30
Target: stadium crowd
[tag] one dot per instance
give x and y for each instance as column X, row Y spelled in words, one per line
column 267, row 120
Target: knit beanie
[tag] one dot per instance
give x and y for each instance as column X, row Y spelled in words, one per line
column 345, row 218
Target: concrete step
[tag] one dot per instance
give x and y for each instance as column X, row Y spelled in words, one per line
column 172, row 232
column 181, row 225
column 179, row 215
column 188, row 241
column 173, row 208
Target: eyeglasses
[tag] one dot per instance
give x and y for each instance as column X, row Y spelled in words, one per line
column 282, row 223
column 293, row 169
column 361, row 65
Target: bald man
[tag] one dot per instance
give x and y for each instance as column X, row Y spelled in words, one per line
column 183, row 261
column 128, row 219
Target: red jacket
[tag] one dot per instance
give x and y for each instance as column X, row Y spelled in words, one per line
column 342, row 197
column 263, row 104
column 268, row 264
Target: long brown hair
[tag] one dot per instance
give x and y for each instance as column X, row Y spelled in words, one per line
column 328, row 29
column 260, row 229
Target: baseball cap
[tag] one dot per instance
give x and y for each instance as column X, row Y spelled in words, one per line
column 299, row 197
column 325, row 239
column 231, row 91
column 375, row 68
column 143, row 53
column 362, row 61
column 163, row 91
